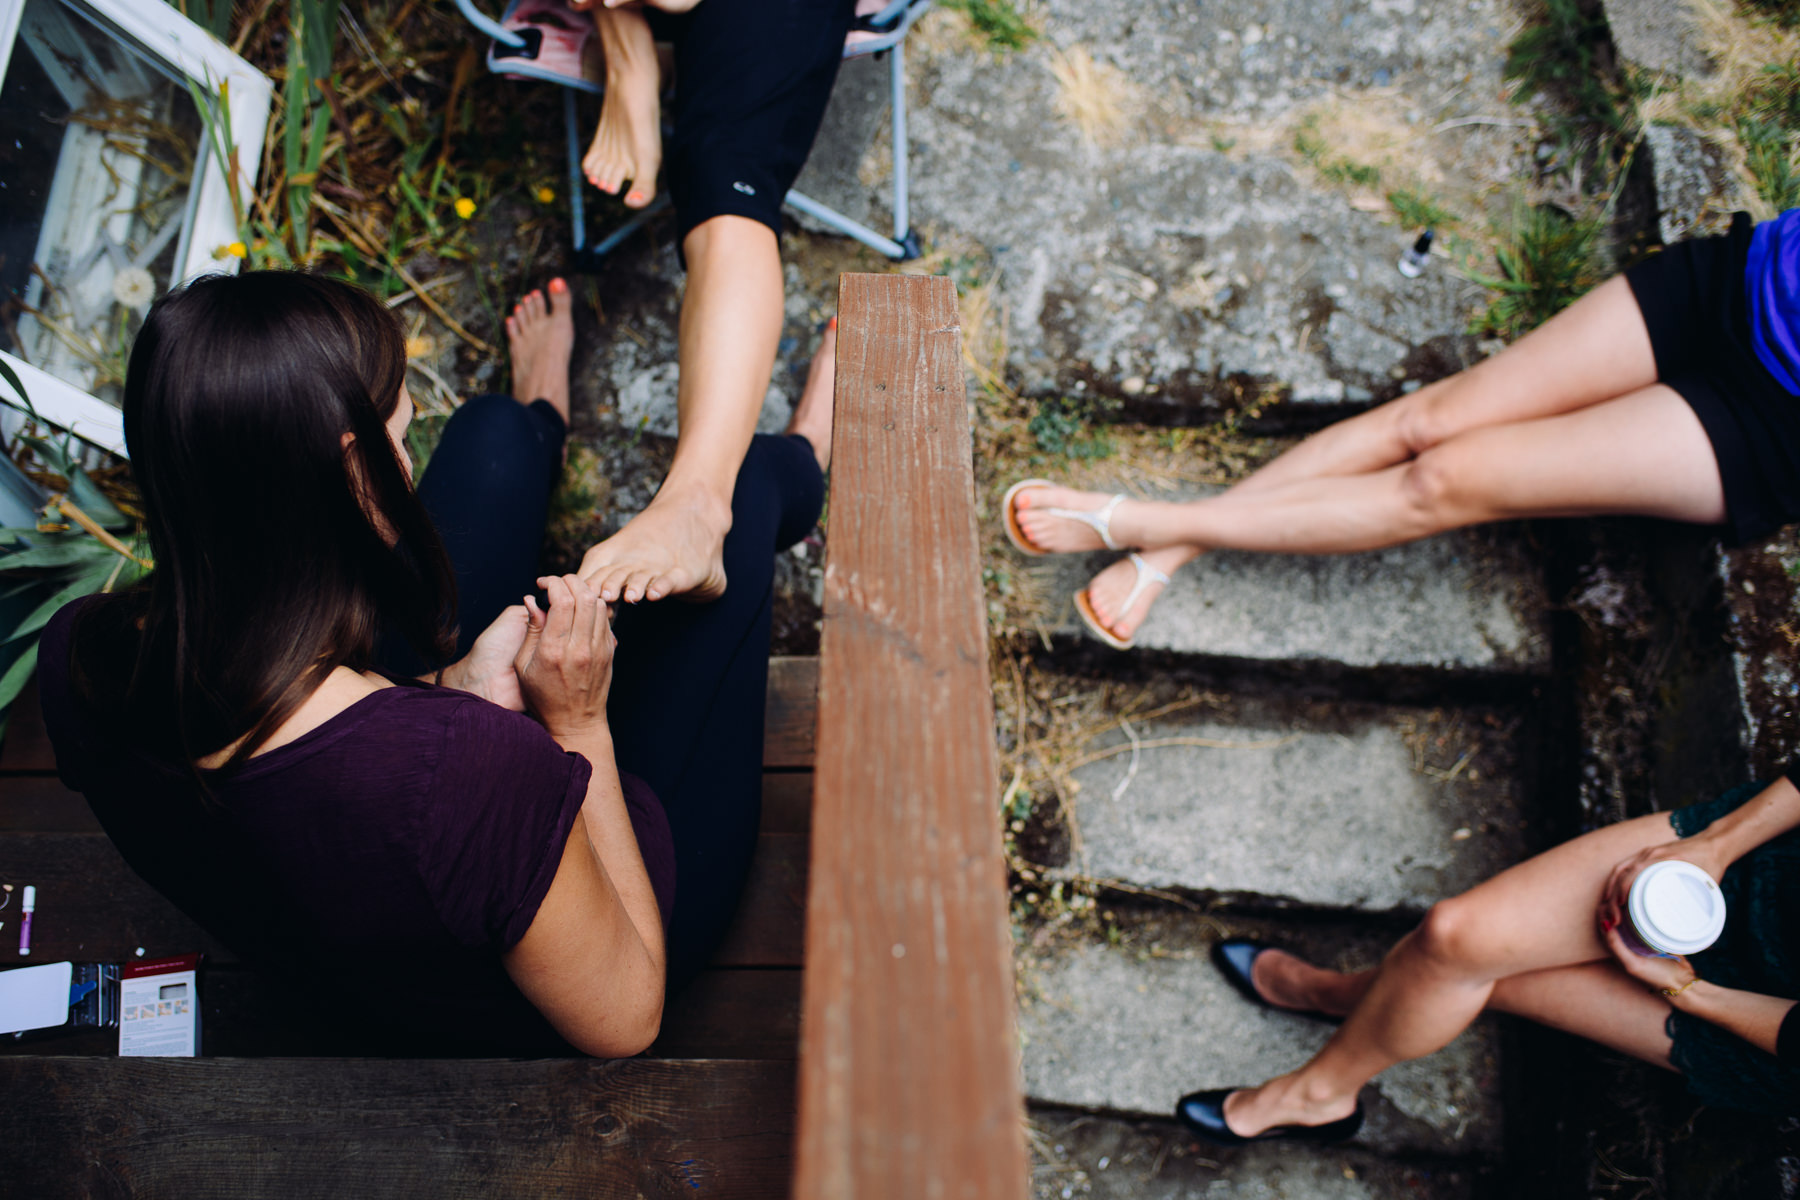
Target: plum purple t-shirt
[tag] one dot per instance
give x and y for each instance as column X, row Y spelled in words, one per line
column 398, row 849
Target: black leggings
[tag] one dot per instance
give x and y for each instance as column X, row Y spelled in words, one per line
column 689, row 680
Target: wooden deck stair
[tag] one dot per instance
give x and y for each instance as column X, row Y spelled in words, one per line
column 883, row 871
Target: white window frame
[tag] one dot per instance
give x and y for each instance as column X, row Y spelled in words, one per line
column 191, row 51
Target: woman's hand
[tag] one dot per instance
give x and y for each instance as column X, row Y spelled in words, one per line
column 1699, row 850
column 487, row 669
column 1669, row 975
column 564, row 665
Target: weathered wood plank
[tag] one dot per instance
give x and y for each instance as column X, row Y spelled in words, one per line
column 41, row 804
column 786, row 801
column 788, row 719
column 437, row 1129
column 724, row 1013
column 27, row 746
column 734, row 1014
column 909, row 1076
column 91, row 906
column 770, row 927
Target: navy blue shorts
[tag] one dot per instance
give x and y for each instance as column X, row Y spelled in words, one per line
column 752, row 78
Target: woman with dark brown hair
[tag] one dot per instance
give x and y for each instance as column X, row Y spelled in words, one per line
column 485, row 877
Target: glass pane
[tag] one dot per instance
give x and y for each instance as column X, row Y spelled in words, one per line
column 98, row 149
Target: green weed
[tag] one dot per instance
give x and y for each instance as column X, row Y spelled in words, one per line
column 1060, row 427
column 1773, row 155
column 1559, row 54
column 1419, row 212
column 1001, row 26
column 1547, row 261
column 1311, row 146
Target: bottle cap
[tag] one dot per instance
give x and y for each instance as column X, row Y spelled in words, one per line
column 30, row 900
column 1676, row 908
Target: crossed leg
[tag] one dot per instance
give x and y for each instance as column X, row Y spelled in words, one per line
column 1568, row 421
column 1524, row 942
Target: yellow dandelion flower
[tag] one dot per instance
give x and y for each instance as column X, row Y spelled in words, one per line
column 546, row 195
column 237, row 250
column 465, row 207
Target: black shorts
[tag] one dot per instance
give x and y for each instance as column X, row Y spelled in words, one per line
column 752, row 78
column 1693, row 300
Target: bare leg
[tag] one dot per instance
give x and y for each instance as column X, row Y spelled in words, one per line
column 628, row 143
column 541, row 336
column 812, row 415
column 1528, row 920
column 1594, row 351
column 1592, row 1000
column 730, row 326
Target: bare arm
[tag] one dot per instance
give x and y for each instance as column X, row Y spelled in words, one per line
column 1755, row 1018
column 592, row 960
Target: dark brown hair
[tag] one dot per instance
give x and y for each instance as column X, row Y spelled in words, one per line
column 272, row 566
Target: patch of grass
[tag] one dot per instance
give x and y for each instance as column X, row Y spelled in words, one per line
column 1547, row 261
column 1560, row 53
column 1772, row 155
column 1312, row 147
column 1061, row 427
column 1419, row 212
column 1000, row 25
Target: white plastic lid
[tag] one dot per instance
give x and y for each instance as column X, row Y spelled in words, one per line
column 1676, row 907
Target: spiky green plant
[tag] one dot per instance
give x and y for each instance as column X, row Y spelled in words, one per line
column 1547, row 261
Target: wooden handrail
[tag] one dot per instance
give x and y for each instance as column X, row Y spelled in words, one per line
column 909, row 1073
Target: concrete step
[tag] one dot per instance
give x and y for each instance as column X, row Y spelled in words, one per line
column 1372, row 808
column 1129, row 1029
column 1467, row 602
column 1100, row 1158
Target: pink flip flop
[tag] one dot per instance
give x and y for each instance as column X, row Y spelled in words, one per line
column 560, row 46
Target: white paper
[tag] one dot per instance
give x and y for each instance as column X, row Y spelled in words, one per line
column 159, row 1016
column 35, row 997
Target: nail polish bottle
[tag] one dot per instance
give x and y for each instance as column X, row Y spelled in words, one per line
column 1412, row 263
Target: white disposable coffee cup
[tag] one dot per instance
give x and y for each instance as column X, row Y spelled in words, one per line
column 1675, row 908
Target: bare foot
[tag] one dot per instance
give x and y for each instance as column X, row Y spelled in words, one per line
column 812, row 415
column 1109, row 592
column 1288, row 981
column 674, row 547
column 541, row 336
column 628, row 143
column 1063, row 535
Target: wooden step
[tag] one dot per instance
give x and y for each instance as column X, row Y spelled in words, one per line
column 325, row 1128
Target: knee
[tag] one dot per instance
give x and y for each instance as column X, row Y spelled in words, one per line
column 494, row 431
column 1418, row 419
column 1451, row 934
column 1430, row 484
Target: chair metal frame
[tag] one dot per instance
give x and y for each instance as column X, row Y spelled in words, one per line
column 891, row 24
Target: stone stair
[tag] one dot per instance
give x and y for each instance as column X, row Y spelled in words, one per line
column 1305, row 805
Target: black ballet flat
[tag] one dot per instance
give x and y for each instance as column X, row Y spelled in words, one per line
column 1203, row 1113
column 1236, row 956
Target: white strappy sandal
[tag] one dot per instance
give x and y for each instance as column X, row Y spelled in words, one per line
column 1146, row 575
column 1099, row 519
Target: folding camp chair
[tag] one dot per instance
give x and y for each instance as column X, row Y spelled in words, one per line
column 526, row 54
